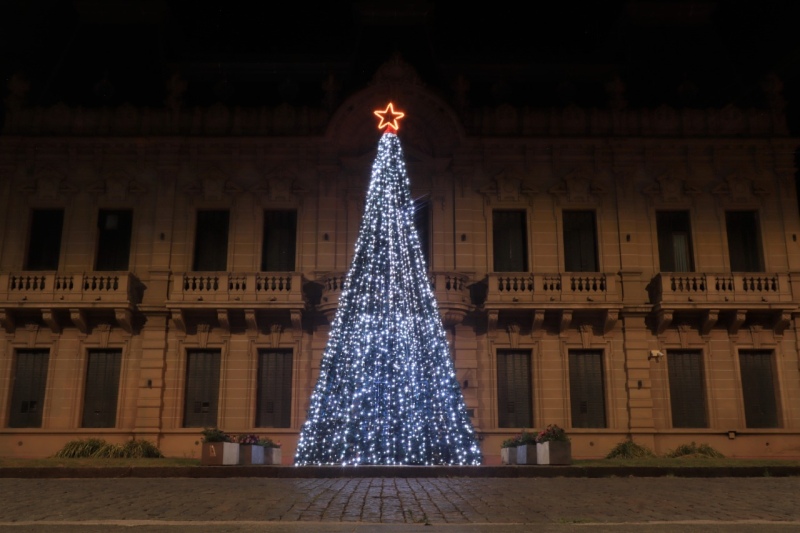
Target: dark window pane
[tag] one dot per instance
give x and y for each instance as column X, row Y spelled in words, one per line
column 580, row 241
column 280, row 235
column 211, row 241
column 744, row 241
column 30, row 378
column 587, row 389
column 202, row 388
column 113, row 239
column 758, row 388
column 514, row 400
column 102, row 389
column 422, row 222
column 674, row 241
column 686, row 389
column 510, row 236
column 44, row 244
column 274, row 403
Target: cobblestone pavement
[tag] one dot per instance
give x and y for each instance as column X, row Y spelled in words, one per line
column 396, row 504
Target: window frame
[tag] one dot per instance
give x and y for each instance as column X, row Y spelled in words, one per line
column 527, row 353
column 288, row 353
column 526, row 253
column 194, row 242
column 595, row 239
column 604, row 393
column 42, row 398
column 86, row 384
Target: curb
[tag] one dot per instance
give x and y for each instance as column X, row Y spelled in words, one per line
column 395, row 472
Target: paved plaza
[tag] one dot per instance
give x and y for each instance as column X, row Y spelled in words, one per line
column 399, row 504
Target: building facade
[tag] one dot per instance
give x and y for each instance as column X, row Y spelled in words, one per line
column 621, row 273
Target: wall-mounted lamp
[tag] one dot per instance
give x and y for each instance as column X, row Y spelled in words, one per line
column 466, row 383
column 149, row 383
column 162, row 236
column 628, row 237
column 731, row 435
column 463, row 237
column 655, row 354
column 325, row 236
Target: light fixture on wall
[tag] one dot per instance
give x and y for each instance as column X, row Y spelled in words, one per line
column 655, row 354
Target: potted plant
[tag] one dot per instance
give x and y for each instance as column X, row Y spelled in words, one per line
column 251, row 452
column 272, row 451
column 508, row 451
column 526, row 448
column 219, row 448
column 553, row 447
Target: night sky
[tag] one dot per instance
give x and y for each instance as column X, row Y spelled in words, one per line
column 684, row 54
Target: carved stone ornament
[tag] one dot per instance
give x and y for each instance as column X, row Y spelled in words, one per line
column 212, row 185
column 670, row 188
column 510, row 187
column 739, row 188
column 577, row 187
column 396, row 72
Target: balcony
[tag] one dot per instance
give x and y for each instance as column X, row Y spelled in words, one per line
column 451, row 290
column 735, row 294
column 55, row 293
column 225, row 291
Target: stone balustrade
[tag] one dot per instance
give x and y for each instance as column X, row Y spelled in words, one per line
column 511, row 288
column 60, row 289
column 733, row 289
column 236, row 289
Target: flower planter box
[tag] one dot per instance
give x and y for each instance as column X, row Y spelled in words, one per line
column 526, row 454
column 220, row 453
column 251, row 454
column 554, row 453
column 272, row 456
column 508, row 456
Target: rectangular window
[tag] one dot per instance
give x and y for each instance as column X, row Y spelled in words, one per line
column 674, row 241
column 744, row 241
column 580, row 241
column 587, row 389
column 102, row 389
column 30, row 379
column 44, row 239
column 202, row 388
column 758, row 388
column 422, row 223
column 510, row 237
column 280, row 236
column 274, row 403
column 686, row 389
column 211, row 241
column 113, row 239
column 514, row 397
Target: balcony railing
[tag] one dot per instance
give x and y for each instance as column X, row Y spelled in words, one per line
column 720, row 289
column 238, row 289
column 59, row 289
column 511, row 288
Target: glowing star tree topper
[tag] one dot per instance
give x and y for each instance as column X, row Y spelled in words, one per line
column 387, row 393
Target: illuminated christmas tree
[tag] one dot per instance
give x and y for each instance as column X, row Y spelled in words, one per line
column 387, row 392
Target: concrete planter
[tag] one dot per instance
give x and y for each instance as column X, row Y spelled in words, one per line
column 272, row 456
column 251, row 454
column 508, row 456
column 220, row 453
column 526, row 454
column 554, row 453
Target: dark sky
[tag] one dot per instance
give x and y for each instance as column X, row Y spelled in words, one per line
column 106, row 52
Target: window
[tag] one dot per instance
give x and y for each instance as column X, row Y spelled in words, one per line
column 514, row 399
column 510, row 237
column 422, row 222
column 27, row 399
column 44, row 245
column 280, row 234
column 587, row 390
column 686, row 390
column 674, row 241
column 211, row 241
column 744, row 241
column 102, row 389
column 113, row 239
column 580, row 241
column 758, row 388
column 274, row 403
column 202, row 388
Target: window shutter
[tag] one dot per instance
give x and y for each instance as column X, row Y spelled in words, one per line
column 30, row 379
column 686, row 389
column 587, row 389
column 202, row 388
column 102, row 389
column 211, row 241
column 274, row 403
column 514, row 398
column 744, row 241
column 114, row 239
column 580, row 241
column 758, row 388
column 279, row 242
column 510, row 237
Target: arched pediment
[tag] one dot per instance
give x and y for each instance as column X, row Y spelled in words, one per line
column 430, row 125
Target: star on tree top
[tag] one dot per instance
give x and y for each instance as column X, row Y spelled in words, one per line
column 389, row 118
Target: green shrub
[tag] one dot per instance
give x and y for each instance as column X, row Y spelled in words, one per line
column 629, row 450
column 704, row 450
column 110, row 451
column 141, row 449
column 80, row 448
